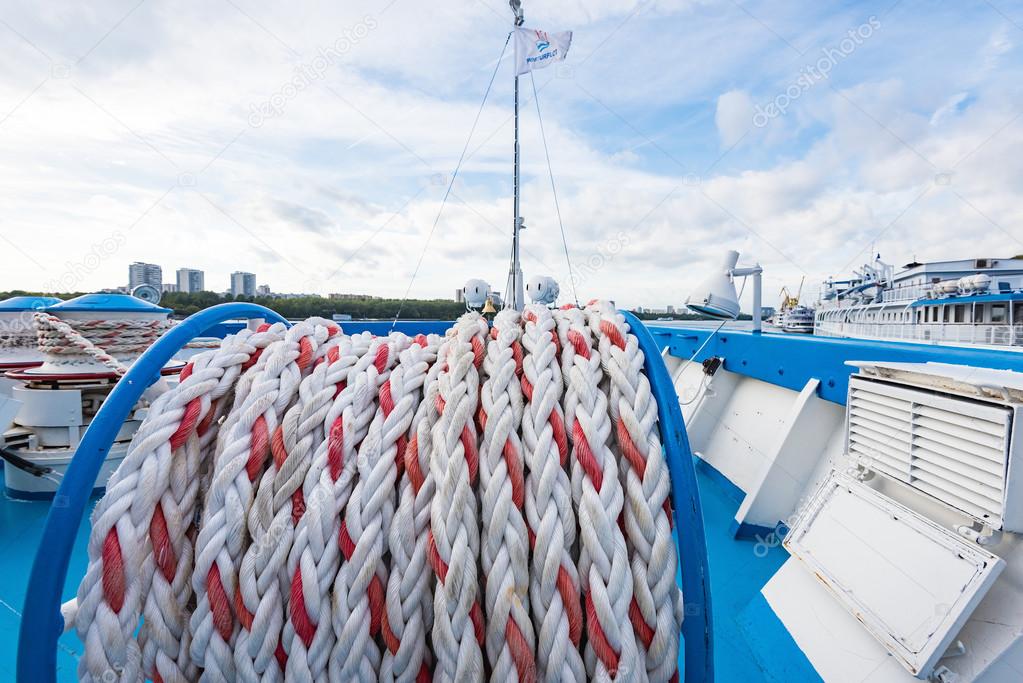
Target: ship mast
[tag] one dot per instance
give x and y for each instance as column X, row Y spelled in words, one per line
column 513, row 292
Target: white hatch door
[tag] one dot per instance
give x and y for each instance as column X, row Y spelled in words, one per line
column 910, row 582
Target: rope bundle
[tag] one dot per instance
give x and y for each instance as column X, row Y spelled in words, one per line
column 307, row 505
column 101, row 340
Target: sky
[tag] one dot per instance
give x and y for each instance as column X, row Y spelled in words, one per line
column 314, row 143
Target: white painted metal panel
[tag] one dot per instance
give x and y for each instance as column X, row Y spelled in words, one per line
column 910, row 582
column 951, row 448
column 48, row 408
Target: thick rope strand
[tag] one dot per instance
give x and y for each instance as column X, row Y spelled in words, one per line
column 504, row 547
column 554, row 580
column 604, row 571
column 454, row 520
column 408, row 614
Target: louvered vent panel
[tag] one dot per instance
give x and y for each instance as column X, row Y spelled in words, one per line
column 953, row 449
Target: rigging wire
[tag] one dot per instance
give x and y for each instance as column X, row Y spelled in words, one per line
column 550, row 171
column 451, row 183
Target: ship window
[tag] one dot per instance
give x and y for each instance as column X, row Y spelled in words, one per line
column 960, row 313
column 947, row 314
column 998, row 313
column 1017, row 312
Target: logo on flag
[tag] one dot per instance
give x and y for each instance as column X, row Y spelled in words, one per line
column 535, row 49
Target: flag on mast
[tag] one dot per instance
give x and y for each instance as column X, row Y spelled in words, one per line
column 535, row 49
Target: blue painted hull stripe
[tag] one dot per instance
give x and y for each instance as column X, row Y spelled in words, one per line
column 791, row 360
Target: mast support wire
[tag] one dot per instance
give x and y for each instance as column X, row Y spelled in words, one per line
column 451, row 183
column 554, row 189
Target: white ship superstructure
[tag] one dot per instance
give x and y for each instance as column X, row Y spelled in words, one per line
column 967, row 302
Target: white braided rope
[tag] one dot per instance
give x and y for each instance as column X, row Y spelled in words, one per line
column 316, row 555
column 164, row 637
column 644, row 473
column 18, row 331
column 409, row 602
column 222, row 538
column 454, row 518
column 604, row 570
column 504, row 549
column 101, row 340
column 554, row 580
column 368, row 517
column 310, row 565
column 150, row 474
column 262, row 575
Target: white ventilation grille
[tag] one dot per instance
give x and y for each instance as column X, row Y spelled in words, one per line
column 954, row 449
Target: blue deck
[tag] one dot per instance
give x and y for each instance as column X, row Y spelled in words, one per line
column 21, row 528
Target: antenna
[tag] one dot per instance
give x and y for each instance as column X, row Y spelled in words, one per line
column 515, row 298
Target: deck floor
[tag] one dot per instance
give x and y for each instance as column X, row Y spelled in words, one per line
column 751, row 645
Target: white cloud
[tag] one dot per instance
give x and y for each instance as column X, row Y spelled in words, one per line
column 150, row 136
column 734, row 116
column 950, row 108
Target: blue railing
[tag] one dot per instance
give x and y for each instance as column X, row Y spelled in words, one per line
column 42, row 622
column 697, row 632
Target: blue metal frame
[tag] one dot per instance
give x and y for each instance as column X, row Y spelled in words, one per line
column 42, row 623
column 790, row 360
column 697, row 631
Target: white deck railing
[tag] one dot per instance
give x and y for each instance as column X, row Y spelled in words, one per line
column 933, row 333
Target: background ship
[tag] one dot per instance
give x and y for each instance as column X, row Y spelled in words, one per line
column 966, row 302
column 792, row 315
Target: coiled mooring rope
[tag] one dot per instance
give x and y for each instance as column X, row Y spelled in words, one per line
column 100, row 340
column 307, row 505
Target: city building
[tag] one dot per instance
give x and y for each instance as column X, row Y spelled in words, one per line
column 168, row 287
column 145, row 274
column 459, row 296
column 263, row 290
column 243, row 284
column 191, row 280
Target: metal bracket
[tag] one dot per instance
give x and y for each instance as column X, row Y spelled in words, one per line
column 979, row 533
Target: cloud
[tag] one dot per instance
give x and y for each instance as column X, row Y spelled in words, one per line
column 340, row 188
column 734, row 116
column 313, row 220
column 955, row 105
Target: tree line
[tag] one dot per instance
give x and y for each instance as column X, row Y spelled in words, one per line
column 186, row 303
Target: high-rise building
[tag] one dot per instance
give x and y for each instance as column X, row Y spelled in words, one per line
column 144, row 274
column 243, row 284
column 459, row 295
column 263, row 290
column 191, row 280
